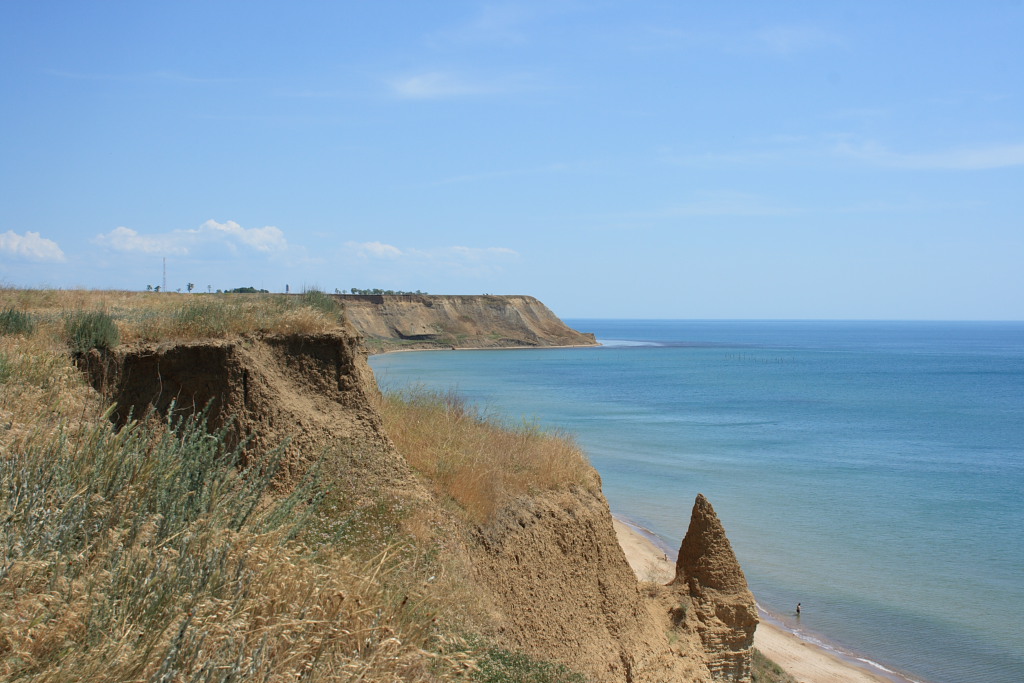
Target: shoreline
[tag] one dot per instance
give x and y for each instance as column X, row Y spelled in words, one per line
column 806, row 660
column 479, row 348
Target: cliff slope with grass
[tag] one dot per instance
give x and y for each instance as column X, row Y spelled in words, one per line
column 250, row 507
column 391, row 322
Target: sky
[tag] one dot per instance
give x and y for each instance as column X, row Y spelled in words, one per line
column 615, row 159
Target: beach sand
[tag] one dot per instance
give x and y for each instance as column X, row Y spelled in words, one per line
column 806, row 662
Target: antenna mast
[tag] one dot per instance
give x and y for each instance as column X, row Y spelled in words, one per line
column 164, row 288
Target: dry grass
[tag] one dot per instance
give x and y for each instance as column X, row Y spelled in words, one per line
column 40, row 388
column 148, row 316
column 478, row 462
column 146, row 554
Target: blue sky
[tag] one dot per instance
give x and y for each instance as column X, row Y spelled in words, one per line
column 615, row 159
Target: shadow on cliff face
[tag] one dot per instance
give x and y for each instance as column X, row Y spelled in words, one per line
column 309, row 392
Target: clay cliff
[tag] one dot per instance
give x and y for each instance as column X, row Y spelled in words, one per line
column 433, row 321
column 550, row 576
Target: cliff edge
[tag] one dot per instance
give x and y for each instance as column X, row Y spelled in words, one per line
column 423, row 321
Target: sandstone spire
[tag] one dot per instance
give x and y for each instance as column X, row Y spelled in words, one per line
column 707, row 568
column 706, row 559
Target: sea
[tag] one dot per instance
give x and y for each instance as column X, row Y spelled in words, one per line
column 871, row 471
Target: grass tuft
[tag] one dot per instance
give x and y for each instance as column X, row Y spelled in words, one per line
column 497, row 665
column 320, row 301
column 13, row 321
column 85, row 330
column 764, row 670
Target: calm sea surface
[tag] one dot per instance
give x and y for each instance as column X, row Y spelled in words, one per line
column 873, row 471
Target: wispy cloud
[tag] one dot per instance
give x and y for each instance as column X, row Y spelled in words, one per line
column 211, row 239
column 459, row 260
column 961, row 159
column 790, row 39
column 130, row 241
column 432, row 85
column 778, row 39
column 774, row 149
column 367, row 250
column 515, row 172
column 492, row 25
column 169, row 75
column 725, row 203
column 742, row 157
column 30, row 247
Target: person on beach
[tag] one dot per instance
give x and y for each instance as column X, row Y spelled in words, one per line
column 798, row 609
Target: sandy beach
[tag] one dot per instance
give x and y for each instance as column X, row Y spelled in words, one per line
column 806, row 662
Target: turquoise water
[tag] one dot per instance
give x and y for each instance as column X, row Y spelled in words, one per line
column 872, row 471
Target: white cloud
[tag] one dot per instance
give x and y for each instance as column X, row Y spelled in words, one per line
column 128, row 240
column 264, row 239
column 963, row 159
column 374, row 250
column 209, row 239
column 31, row 247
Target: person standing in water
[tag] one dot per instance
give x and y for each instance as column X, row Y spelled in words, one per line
column 798, row 609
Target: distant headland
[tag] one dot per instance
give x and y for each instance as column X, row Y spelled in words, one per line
column 391, row 322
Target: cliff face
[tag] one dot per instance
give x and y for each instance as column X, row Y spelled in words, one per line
column 548, row 569
column 428, row 321
column 562, row 590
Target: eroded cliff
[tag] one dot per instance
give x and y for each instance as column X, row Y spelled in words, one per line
column 549, row 574
column 434, row 321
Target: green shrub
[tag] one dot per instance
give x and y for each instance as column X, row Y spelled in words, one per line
column 13, row 321
column 86, row 330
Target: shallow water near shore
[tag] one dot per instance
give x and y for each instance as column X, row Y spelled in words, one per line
column 872, row 471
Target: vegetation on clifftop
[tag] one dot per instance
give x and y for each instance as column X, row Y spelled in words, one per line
column 148, row 553
column 142, row 316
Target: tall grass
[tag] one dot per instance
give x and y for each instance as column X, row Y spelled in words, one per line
column 13, row 321
column 145, row 554
column 478, row 462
